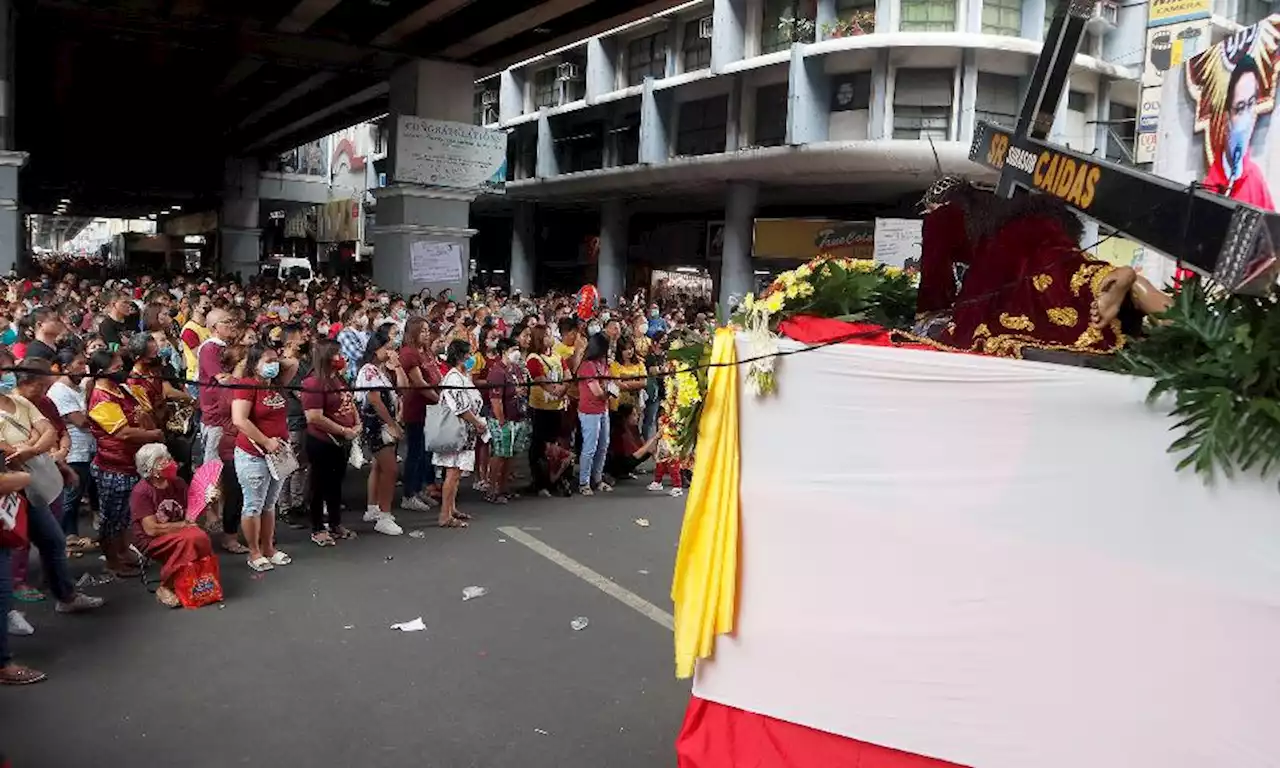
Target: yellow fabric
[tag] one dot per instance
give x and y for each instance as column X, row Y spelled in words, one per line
column 110, row 416
column 704, row 588
column 619, row 371
column 539, row 400
column 188, row 354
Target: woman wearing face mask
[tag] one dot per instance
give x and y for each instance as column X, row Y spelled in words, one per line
column 259, row 411
column 332, row 424
column 67, row 393
column 160, row 528
column 593, row 415
column 417, row 362
column 295, row 363
column 463, row 399
column 547, row 403
column 353, row 338
column 379, row 378
column 505, row 409
column 120, row 426
column 485, row 359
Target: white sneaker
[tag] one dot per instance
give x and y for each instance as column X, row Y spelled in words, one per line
column 413, row 504
column 388, row 527
column 19, row 626
column 372, row 515
column 677, row 492
column 655, row 487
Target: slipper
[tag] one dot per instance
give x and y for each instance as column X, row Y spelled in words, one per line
column 322, row 540
column 461, row 516
column 280, row 558
column 343, row 533
column 235, row 549
column 261, row 564
column 28, row 594
column 16, row 675
column 455, row 523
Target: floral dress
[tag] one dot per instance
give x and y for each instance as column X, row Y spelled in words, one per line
column 460, row 396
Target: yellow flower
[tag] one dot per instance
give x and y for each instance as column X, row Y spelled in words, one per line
column 804, row 271
column 748, row 302
column 787, row 279
column 893, row 271
column 774, row 303
column 805, row 290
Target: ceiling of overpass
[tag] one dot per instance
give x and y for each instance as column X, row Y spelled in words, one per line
column 128, row 106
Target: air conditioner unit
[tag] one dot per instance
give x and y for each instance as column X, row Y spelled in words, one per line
column 568, row 71
column 489, row 98
column 1105, row 17
column 705, row 28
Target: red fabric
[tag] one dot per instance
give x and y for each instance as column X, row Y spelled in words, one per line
column 589, row 403
column 199, row 583
column 13, row 522
column 333, row 399
column 167, row 505
column 209, row 366
column 267, row 412
column 717, row 736
column 178, row 550
column 1250, row 188
column 415, row 402
column 820, row 330
column 945, row 243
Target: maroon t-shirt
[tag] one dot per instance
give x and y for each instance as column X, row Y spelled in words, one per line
column 168, row 504
column 268, row 413
column 587, row 402
column 336, row 401
column 50, row 412
column 210, row 361
column 415, row 402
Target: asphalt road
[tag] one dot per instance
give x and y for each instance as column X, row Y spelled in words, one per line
column 299, row 666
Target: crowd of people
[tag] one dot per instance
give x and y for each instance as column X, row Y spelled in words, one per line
column 115, row 395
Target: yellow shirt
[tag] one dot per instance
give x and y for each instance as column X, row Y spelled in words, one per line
column 539, row 400
column 566, row 353
column 620, row 371
column 188, row 354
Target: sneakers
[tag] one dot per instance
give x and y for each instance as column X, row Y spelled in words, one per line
column 544, row 494
column 677, row 492
column 19, row 626
column 656, row 488
column 414, row 504
column 373, row 514
column 80, row 603
column 386, row 525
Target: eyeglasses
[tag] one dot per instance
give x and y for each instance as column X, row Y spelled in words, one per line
column 1245, row 104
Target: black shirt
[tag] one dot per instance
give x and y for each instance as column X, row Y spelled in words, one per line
column 113, row 331
column 39, row 350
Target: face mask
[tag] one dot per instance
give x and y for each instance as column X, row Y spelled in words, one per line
column 491, row 344
column 270, row 370
column 513, row 357
column 166, row 350
column 593, row 329
column 169, row 472
column 323, row 329
column 604, row 317
column 339, row 364
column 400, row 314
column 469, row 364
column 1238, row 143
column 653, row 313
column 8, row 382
column 119, row 377
column 239, row 299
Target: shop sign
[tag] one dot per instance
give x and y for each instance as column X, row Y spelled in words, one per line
column 1162, row 12
column 808, row 238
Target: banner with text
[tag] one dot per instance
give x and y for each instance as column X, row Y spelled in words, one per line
column 445, row 154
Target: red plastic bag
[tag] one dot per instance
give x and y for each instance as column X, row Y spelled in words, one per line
column 199, row 584
column 13, row 521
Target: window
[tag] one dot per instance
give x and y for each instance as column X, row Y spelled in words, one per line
column 697, row 50
column 701, row 126
column 1250, row 12
column 786, row 22
column 646, row 56
column 853, row 17
column 481, row 113
column 922, row 103
column 545, row 90
column 998, row 99
column 928, row 16
column 771, row 116
column 1120, row 133
column 1002, row 17
column 581, row 148
column 627, row 137
column 851, row 91
column 1077, row 101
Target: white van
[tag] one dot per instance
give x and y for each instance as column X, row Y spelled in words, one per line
column 290, row 269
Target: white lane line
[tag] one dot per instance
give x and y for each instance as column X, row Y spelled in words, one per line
column 610, row 588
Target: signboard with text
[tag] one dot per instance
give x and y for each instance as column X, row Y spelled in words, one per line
column 1162, row 12
column 446, row 154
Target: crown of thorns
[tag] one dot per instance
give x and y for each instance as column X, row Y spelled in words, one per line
column 937, row 192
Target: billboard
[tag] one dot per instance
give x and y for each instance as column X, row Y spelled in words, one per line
column 445, row 154
column 805, row 239
column 1216, row 118
column 1168, row 45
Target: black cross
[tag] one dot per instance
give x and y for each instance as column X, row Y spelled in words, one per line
column 1210, row 233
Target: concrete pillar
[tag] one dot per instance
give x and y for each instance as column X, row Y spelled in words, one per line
column 734, row 128
column 612, row 267
column 1033, row 11
column 879, row 114
column 736, row 272
column 239, row 228
column 808, row 99
column 411, row 214
column 826, row 14
column 673, row 45
column 13, row 236
column 1058, row 132
column 7, row 21
column 728, row 33
column 602, row 66
column 523, row 261
column 1101, row 116
column 886, row 15
column 968, row 94
column 657, row 113
column 511, row 95
column 970, row 16
column 546, row 164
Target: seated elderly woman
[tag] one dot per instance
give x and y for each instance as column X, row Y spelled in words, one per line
column 160, row 527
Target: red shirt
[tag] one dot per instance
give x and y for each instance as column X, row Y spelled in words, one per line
column 109, row 412
column 335, row 401
column 268, row 413
column 587, row 402
column 1250, row 188
column 50, row 412
column 210, row 365
column 415, row 402
column 168, row 505
column 222, row 417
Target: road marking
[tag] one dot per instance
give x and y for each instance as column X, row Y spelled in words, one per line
column 602, row 583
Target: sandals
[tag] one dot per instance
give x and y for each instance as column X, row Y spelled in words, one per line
column 127, row 572
column 235, row 548
column 261, row 565
column 461, row 515
column 16, row 675
column 455, row 523
column 343, row 533
column 167, row 597
column 280, row 558
column 323, row 539
column 496, row 498
column 25, row 593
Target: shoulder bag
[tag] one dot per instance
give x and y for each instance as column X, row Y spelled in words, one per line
column 444, row 431
column 46, row 478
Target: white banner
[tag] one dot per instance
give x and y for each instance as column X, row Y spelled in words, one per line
column 435, row 262
column 445, row 154
column 898, row 242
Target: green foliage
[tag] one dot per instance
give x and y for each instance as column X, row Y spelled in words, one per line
column 852, row 291
column 1219, row 357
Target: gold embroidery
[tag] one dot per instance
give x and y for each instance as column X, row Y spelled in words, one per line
column 1013, row 345
column 981, row 330
column 1082, row 276
column 951, row 328
column 1096, row 284
column 1017, row 322
column 1090, row 337
column 1042, row 282
column 1064, row 316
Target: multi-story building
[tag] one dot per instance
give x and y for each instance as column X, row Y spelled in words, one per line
column 713, row 114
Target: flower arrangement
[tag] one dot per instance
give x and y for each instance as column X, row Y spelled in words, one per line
column 858, row 23
column 852, row 290
column 796, row 29
column 685, row 392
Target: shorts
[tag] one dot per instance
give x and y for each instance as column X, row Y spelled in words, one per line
column 212, row 436
column 508, row 440
column 375, row 434
column 260, row 489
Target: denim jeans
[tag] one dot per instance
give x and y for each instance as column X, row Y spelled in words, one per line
column 260, row 489
column 650, row 424
column 595, row 447
column 45, row 532
column 418, row 470
column 72, row 496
